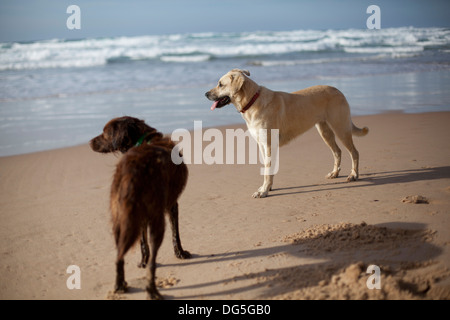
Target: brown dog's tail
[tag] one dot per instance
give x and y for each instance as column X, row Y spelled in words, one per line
column 126, row 228
column 359, row 132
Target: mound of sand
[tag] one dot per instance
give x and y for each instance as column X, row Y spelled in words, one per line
column 340, row 279
column 414, row 281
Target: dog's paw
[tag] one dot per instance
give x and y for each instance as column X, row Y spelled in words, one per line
column 183, row 254
column 352, row 177
column 332, row 175
column 121, row 287
column 260, row 194
column 153, row 294
column 142, row 265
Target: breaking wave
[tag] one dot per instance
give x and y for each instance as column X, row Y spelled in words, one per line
column 201, row 47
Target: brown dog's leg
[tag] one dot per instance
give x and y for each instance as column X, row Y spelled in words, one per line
column 156, row 237
column 121, row 285
column 126, row 232
column 178, row 249
column 145, row 250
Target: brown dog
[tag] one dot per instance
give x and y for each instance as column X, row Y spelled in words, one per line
column 146, row 184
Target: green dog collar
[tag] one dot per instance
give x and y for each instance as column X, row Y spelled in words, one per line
column 141, row 139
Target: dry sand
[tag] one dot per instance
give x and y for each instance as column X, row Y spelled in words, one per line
column 313, row 238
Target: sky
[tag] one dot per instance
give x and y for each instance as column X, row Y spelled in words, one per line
column 25, row 20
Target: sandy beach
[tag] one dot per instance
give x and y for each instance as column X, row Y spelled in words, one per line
column 312, row 238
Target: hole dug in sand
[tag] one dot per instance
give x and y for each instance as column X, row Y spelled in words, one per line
column 346, row 236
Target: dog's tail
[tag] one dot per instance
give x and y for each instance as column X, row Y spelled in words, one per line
column 126, row 229
column 359, row 132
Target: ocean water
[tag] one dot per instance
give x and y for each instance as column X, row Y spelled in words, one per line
column 59, row 93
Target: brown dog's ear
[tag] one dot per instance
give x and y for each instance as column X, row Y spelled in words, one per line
column 246, row 72
column 125, row 132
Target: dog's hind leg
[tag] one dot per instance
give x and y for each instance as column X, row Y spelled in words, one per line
column 124, row 242
column 347, row 140
column 121, row 285
column 178, row 249
column 156, row 237
column 145, row 250
column 328, row 136
column 126, row 231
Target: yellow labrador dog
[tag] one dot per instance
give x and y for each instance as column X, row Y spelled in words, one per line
column 292, row 114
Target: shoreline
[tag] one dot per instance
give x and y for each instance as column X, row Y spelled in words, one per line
column 54, row 123
column 221, row 128
column 307, row 240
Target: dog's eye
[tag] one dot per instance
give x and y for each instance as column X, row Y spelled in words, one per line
column 220, row 85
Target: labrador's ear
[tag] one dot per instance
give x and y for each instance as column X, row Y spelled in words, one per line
column 246, row 72
column 237, row 82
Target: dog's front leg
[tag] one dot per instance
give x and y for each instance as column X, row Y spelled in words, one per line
column 266, row 152
column 178, row 249
column 263, row 191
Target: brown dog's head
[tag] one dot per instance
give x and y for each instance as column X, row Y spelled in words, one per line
column 227, row 89
column 121, row 134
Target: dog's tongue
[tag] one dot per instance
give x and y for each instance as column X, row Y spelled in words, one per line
column 214, row 105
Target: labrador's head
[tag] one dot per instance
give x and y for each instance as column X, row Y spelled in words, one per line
column 227, row 88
